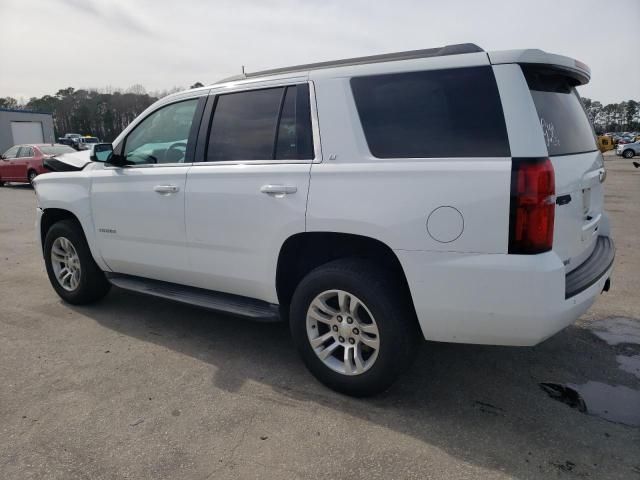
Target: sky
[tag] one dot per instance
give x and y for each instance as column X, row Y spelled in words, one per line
column 46, row 45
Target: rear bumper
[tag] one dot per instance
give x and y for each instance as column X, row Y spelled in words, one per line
column 593, row 268
column 499, row 299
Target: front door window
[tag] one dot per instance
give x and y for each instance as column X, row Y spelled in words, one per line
column 163, row 136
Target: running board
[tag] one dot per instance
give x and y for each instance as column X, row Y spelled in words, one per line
column 253, row 309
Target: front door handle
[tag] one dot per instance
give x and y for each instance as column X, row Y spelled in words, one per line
column 166, row 189
column 278, row 189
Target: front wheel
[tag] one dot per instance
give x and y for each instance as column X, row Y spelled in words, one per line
column 354, row 328
column 628, row 153
column 32, row 176
column 72, row 271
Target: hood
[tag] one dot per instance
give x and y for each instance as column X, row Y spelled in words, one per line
column 68, row 162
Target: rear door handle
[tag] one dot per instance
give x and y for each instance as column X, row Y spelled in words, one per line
column 166, row 189
column 278, row 189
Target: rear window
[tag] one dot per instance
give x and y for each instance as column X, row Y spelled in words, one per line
column 564, row 122
column 440, row 113
column 56, row 149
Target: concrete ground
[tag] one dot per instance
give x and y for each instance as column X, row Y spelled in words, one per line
column 136, row 387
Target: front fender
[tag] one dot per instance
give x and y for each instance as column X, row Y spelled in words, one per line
column 71, row 192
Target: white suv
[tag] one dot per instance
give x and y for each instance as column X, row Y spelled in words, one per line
column 452, row 194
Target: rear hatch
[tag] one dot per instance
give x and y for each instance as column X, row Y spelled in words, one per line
column 577, row 162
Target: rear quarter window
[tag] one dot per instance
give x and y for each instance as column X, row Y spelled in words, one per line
column 564, row 122
column 439, row 113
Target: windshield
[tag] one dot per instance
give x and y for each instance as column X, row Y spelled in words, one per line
column 56, row 149
column 564, row 121
column 90, row 140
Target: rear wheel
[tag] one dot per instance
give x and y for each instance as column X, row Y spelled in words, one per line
column 628, row 153
column 31, row 176
column 72, row 271
column 353, row 327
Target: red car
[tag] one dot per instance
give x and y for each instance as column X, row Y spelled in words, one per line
column 23, row 163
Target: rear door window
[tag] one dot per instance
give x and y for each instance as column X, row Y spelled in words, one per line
column 564, row 122
column 268, row 124
column 438, row 113
column 25, row 152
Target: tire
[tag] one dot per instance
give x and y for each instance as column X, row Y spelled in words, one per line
column 31, row 176
column 628, row 153
column 2, row 183
column 381, row 301
column 89, row 283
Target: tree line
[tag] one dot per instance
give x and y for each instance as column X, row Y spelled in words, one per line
column 106, row 113
column 103, row 114
column 614, row 117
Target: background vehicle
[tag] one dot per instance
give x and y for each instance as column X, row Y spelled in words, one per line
column 22, row 163
column 84, row 143
column 70, row 139
column 451, row 194
column 628, row 150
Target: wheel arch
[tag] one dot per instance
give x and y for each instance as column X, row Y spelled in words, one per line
column 302, row 252
column 51, row 216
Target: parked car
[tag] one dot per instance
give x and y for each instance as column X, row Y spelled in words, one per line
column 450, row 194
column 70, row 139
column 626, row 139
column 628, row 150
column 85, row 143
column 22, row 163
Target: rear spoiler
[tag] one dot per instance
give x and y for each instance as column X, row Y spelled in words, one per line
column 575, row 69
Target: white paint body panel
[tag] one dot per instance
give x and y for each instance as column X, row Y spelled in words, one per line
column 139, row 231
column 235, row 232
column 70, row 191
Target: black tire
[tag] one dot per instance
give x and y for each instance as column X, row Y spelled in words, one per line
column 388, row 304
column 1, row 183
column 93, row 284
column 628, row 153
column 31, row 176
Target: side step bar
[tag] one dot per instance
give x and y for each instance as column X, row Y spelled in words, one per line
column 253, row 309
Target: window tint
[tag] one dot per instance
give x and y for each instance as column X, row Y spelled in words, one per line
column 441, row 113
column 163, row 136
column 244, row 125
column 267, row 124
column 564, row 122
column 12, row 152
column 295, row 139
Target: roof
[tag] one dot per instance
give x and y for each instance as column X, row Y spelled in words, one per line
column 17, row 110
column 456, row 49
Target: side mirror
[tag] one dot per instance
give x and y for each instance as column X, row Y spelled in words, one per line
column 101, row 152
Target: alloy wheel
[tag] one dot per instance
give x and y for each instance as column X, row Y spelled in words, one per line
column 66, row 263
column 342, row 332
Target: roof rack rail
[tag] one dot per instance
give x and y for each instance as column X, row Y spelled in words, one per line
column 456, row 49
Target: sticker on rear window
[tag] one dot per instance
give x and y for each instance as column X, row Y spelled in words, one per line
column 550, row 135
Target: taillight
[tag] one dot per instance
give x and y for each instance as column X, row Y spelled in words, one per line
column 532, row 211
